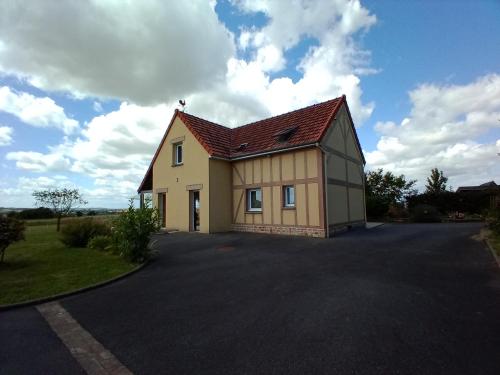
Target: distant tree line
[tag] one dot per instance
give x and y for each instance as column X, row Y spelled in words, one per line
column 389, row 195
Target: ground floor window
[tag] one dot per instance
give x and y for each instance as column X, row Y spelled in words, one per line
column 254, row 200
column 289, row 196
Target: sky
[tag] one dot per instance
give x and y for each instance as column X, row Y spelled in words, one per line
column 87, row 88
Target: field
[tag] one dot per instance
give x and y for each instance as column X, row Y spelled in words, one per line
column 42, row 266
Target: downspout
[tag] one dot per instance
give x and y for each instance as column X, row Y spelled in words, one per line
column 325, row 192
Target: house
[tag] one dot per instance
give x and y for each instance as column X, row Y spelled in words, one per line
column 299, row 173
column 490, row 189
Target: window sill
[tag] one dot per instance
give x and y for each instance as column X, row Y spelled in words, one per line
column 177, row 165
column 288, row 208
column 253, row 212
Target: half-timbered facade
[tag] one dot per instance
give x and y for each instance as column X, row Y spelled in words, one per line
column 300, row 173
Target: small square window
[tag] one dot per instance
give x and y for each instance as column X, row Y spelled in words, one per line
column 178, row 154
column 289, row 196
column 254, row 200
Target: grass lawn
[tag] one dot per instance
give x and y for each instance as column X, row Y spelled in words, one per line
column 495, row 243
column 42, row 266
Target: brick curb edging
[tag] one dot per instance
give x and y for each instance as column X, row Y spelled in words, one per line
column 54, row 297
column 92, row 356
column 493, row 252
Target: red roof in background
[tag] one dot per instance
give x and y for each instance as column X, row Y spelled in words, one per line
column 309, row 124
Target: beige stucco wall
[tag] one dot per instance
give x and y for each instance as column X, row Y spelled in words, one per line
column 344, row 172
column 301, row 168
column 220, row 174
column 194, row 171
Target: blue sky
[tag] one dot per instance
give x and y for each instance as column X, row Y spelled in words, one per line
column 84, row 106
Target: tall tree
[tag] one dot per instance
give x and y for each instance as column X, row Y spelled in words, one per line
column 436, row 182
column 384, row 189
column 60, row 200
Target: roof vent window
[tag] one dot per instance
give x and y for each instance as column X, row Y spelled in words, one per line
column 286, row 134
column 242, row 146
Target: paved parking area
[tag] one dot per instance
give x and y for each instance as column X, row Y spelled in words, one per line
column 397, row 299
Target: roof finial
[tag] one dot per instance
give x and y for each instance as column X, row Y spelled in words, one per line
column 182, row 102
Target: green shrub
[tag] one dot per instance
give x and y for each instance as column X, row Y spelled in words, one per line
column 397, row 211
column 78, row 232
column 100, row 242
column 425, row 213
column 132, row 231
column 493, row 221
column 11, row 230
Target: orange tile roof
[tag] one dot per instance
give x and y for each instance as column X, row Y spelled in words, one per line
column 260, row 137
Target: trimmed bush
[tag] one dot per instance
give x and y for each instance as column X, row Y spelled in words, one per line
column 132, row 231
column 425, row 213
column 101, row 243
column 78, row 232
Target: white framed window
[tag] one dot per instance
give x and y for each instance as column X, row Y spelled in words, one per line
column 178, row 154
column 289, row 196
column 254, row 200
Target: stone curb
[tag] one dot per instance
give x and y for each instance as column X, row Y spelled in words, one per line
column 493, row 252
column 38, row 301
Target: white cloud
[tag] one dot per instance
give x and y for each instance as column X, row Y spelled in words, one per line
column 143, row 51
column 158, row 56
column 446, row 129
column 5, row 135
column 36, row 111
column 167, row 51
column 114, row 150
column 329, row 69
column 38, row 162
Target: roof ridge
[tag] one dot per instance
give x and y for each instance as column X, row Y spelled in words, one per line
column 201, row 118
column 287, row 113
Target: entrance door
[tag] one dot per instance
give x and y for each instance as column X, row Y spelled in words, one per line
column 195, row 210
column 162, row 208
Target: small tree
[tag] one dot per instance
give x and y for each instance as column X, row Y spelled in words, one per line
column 386, row 189
column 132, row 231
column 436, row 182
column 61, row 201
column 11, row 230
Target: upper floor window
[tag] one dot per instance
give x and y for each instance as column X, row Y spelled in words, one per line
column 254, row 200
column 289, row 196
column 178, row 154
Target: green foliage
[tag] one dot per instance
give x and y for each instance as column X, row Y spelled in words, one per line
column 448, row 201
column 384, row 190
column 35, row 213
column 11, row 230
column 425, row 214
column 101, row 243
column 132, row 231
column 78, row 232
column 436, row 182
column 61, row 201
column 493, row 221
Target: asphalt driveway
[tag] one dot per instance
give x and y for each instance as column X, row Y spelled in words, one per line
column 399, row 299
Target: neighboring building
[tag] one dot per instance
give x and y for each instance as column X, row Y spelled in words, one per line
column 489, row 188
column 299, row 173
